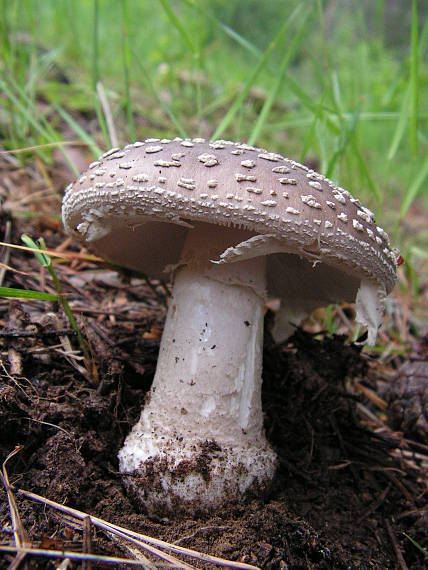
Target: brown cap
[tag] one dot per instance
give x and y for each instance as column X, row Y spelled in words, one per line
column 135, row 206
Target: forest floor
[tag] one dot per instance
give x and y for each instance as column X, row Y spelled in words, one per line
column 349, row 426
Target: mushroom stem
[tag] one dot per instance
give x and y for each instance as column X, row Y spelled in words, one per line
column 200, row 442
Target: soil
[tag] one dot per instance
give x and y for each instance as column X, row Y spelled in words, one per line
column 351, row 484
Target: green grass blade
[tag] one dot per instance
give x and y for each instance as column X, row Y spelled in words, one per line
column 27, row 112
column 4, row 30
column 162, row 103
column 336, row 91
column 348, row 138
column 344, row 140
column 238, row 38
column 10, row 292
column 307, row 101
column 96, row 73
column 237, row 104
column 289, row 54
column 126, row 63
column 46, row 261
column 312, row 129
column 95, row 56
column 233, row 35
column 421, row 549
column 82, row 134
column 380, row 20
column 414, row 79
column 27, row 108
column 365, row 171
column 411, row 91
column 414, row 189
column 423, row 40
column 198, row 65
column 26, row 215
column 343, row 137
column 102, row 122
column 247, row 45
column 419, row 252
column 401, row 125
column 42, row 258
column 194, row 49
column 28, row 105
column 73, row 21
column 178, row 25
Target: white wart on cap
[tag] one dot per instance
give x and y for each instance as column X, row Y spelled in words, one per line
column 264, row 222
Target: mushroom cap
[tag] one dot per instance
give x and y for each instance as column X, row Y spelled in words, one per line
column 135, row 207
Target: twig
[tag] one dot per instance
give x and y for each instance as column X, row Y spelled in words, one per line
column 5, row 267
column 108, row 114
column 70, row 435
column 20, row 536
column 416, row 444
column 375, row 505
column 396, row 547
column 131, row 535
column 7, row 154
column 372, row 396
column 420, row 513
column 411, row 458
column 37, row 333
column 53, row 253
column 87, row 543
column 72, row 555
column 135, row 552
column 16, row 562
column 371, row 416
column 174, row 562
column 6, row 253
column 400, row 486
column 171, row 561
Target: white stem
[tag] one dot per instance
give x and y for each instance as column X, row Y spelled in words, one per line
column 207, row 388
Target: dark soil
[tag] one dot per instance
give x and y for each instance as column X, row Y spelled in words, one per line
column 344, row 494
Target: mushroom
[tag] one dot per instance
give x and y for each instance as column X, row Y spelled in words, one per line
column 232, row 223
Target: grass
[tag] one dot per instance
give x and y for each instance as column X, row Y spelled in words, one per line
column 347, row 89
column 344, row 89
column 13, row 293
column 245, row 90
column 421, row 549
column 45, row 261
column 414, row 79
